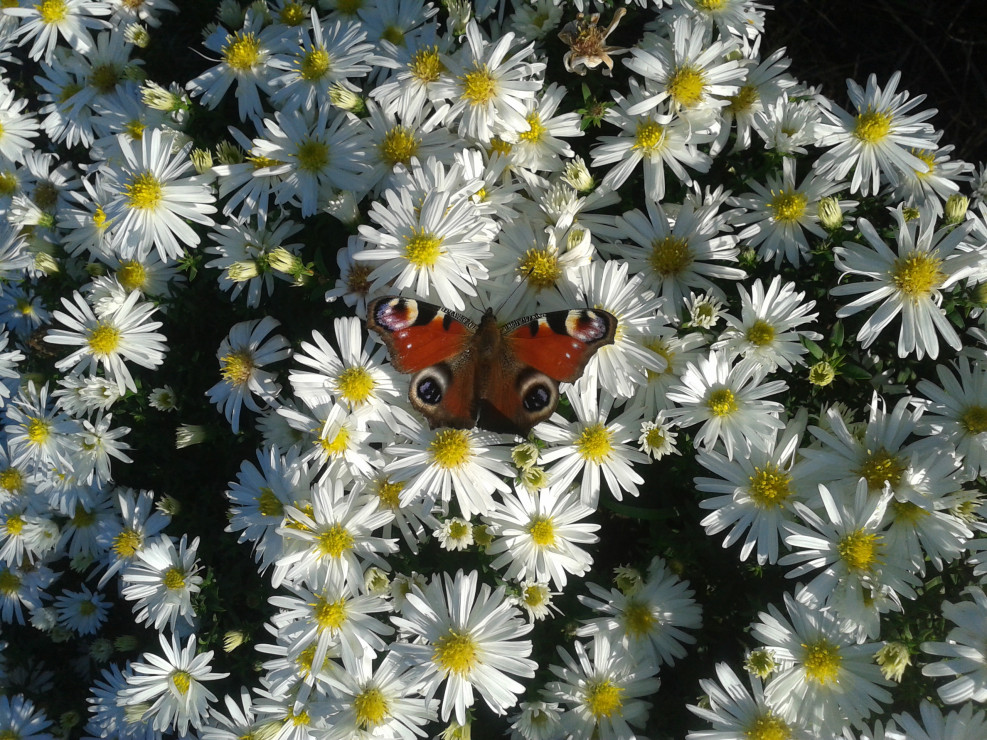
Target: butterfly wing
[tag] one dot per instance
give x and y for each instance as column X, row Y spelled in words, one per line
column 536, row 354
column 436, row 346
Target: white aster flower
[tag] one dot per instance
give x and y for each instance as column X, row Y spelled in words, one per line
column 81, row 611
column 966, row 724
column 172, row 684
column 468, row 640
column 454, row 534
column 907, row 281
column 20, row 719
column 162, row 579
column 537, row 720
column 246, row 256
column 964, row 650
column 139, row 523
column 48, row 22
column 957, row 412
column 16, row 128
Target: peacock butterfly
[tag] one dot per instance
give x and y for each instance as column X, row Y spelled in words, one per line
column 500, row 378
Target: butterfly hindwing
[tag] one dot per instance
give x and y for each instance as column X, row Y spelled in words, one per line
column 560, row 343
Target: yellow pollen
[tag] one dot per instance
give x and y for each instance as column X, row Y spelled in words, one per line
column 293, row 14
column 10, row 583
column 259, row 162
column 655, row 438
column 144, row 192
column 174, row 578
column 499, row 146
column 393, row 34
column 710, row 6
column 87, row 608
column 68, row 90
column 132, row 275
column 83, row 518
column 314, row 65
column 389, row 494
column 769, row 487
column 540, row 267
column 371, row 708
column 242, row 51
column 927, row 157
column 105, row 78
column 760, row 333
column 458, row 530
column 312, row 155
column 425, row 65
column 38, row 430
column 52, row 11
column 767, row 726
column 860, row 550
column 330, row 615
column 182, row 681
column 872, row 127
column 355, row 384
column 12, row 480
column 451, row 448
column 639, row 620
column 422, row 248
column 722, row 402
column 479, row 86
column 99, row 219
column 127, row 543
column 237, row 367
column 905, row 512
column 686, row 86
column 822, row 661
column 744, row 100
column 670, row 256
column 649, row 136
column 14, row 525
column 537, row 130
column 603, row 698
column 335, row 541
column 595, row 443
column 8, row 184
column 542, row 531
column 880, row 467
column 338, row 444
column 399, row 145
column 268, row 504
column 974, row 419
column 917, row 275
column 788, row 206
column 455, row 652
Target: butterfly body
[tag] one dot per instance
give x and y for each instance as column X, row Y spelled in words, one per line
column 500, row 378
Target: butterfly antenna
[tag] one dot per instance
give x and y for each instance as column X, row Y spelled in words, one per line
column 517, row 287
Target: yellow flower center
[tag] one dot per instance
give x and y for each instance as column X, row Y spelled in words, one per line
column 399, row 145
column 455, row 652
column 127, row 543
column 860, row 550
column 917, row 275
column 10, row 583
column 268, row 504
column 722, row 402
column 479, row 86
column 314, row 65
column 104, row 339
column 337, row 444
column 8, row 184
column 760, row 333
column 371, row 708
column 540, row 267
column 595, row 443
column 393, row 34
column 237, row 367
column 145, row 192
column 788, row 206
column 293, row 14
column 639, row 620
column 355, row 384
column 312, row 155
column 603, row 698
column 423, row 248
column 872, row 127
column 330, row 615
column 69, row 89
column 670, row 256
column 335, row 541
column 974, row 419
column 259, row 162
column 242, row 51
column 710, row 6
column 45, row 194
column 905, row 512
column 132, row 275
column 770, row 486
column 425, row 65
column 12, row 480
column 358, row 279
column 38, row 430
column 537, row 130
column 83, row 518
column 649, row 136
column 929, row 158
column 767, row 726
column 744, row 100
column 174, row 578
column 458, row 530
column 822, row 661
column 182, row 681
column 880, row 467
column 389, row 493
column 87, row 608
column 451, row 448
column 542, row 531
column 52, row 11
column 498, row 146
column 686, row 86
column 105, row 78
column 14, row 525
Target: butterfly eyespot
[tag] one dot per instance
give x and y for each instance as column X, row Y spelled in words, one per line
column 537, row 398
column 429, row 391
column 428, row 387
column 539, row 393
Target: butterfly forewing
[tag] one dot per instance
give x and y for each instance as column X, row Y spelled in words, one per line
column 418, row 335
column 560, row 343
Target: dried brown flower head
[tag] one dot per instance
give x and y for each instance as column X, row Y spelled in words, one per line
column 587, row 43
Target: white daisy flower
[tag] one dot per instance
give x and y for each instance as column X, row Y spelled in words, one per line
column 82, row 611
column 966, row 656
column 537, row 720
column 246, row 256
column 468, row 640
column 48, row 23
column 172, row 684
column 16, row 128
column 538, row 146
column 730, row 402
column 876, row 139
column 957, row 412
column 789, row 125
column 23, row 586
column 98, row 442
column 162, row 579
column 825, row 677
column 967, row 723
column 38, row 432
column 907, row 281
column 602, row 692
column 928, row 188
column 454, row 534
column 139, row 523
column 241, row 354
column 20, row 719
column 657, row 438
column 539, row 535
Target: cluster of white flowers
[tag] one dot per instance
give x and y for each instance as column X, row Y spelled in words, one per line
column 442, row 143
